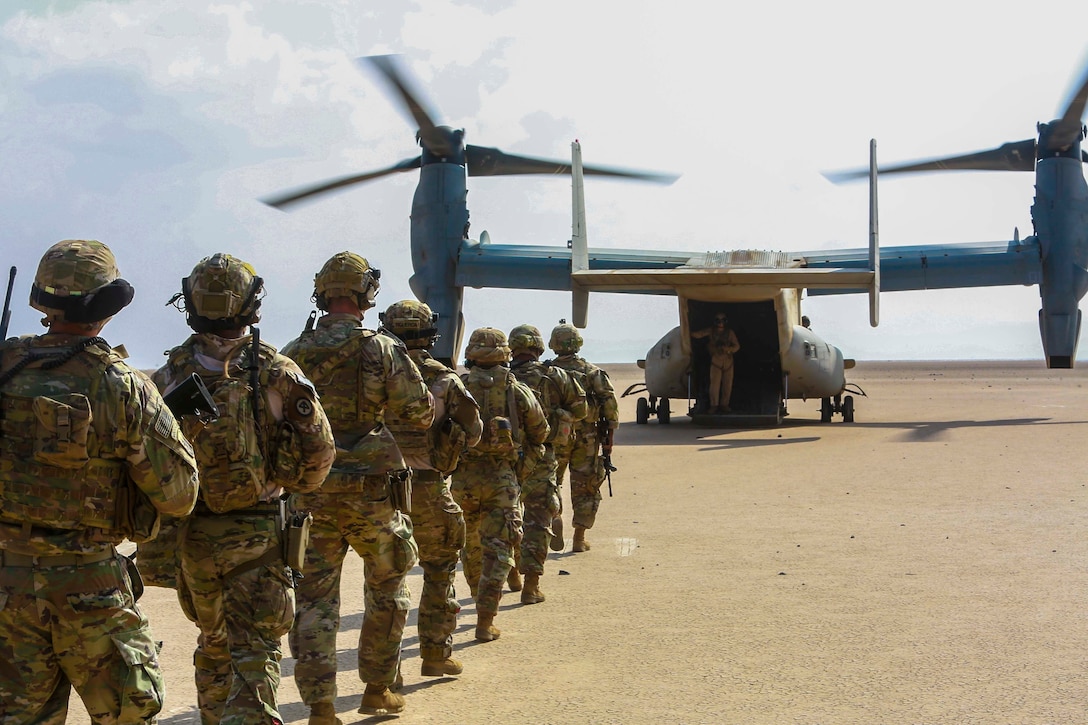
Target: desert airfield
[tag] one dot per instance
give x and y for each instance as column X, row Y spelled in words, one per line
column 926, row 564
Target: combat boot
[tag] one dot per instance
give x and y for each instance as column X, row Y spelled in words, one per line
column 323, row 713
column 485, row 630
column 557, row 543
column 380, row 700
column 531, row 594
column 513, row 580
column 580, row 543
column 440, row 668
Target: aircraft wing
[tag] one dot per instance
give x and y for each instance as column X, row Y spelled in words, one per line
column 841, row 271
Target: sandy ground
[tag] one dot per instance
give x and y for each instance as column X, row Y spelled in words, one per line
column 925, row 564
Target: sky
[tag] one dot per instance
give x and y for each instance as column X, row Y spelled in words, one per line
column 157, row 127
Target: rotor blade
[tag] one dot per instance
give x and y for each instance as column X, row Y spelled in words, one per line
column 1067, row 130
column 1012, row 156
column 487, row 161
column 282, row 200
column 392, row 71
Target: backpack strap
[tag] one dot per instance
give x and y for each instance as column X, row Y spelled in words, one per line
column 512, row 405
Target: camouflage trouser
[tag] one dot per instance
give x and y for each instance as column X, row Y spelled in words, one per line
column 540, row 504
column 439, row 529
column 586, row 476
column 75, row 626
column 382, row 536
column 487, row 490
column 241, row 617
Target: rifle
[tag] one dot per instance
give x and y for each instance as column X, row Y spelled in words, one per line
column 6, row 319
column 192, row 398
column 604, row 434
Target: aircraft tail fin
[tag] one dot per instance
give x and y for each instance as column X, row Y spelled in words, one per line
column 579, row 243
column 874, row 241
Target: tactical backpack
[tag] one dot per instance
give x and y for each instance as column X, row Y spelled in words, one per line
column 499, row 412
column 536, row 376
column 62, row 468
column 232, row 450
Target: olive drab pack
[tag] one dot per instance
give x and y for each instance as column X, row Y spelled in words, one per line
column 234, row 450
column 538, row 377
column 59, row 467
column 498, row 412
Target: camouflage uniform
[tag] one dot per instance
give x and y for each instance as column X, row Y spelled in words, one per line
column 485, row 483
column 362, row 376
column 586, row 468
column 564, row 402
column 89, row 455
column 234, row 583
column 438, row 522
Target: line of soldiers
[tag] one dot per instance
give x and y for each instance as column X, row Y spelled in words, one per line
column 293, row 457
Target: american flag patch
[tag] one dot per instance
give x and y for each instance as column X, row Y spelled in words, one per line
column 163, row 426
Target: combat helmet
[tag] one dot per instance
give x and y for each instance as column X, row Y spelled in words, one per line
column 526, row 337
column 565, row 339
column 77, row 281
column 411, row 321
column 487, row 346
column 346, row 275
column 221, row 293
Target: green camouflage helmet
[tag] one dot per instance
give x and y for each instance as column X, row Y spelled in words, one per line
column 78, row 281
column 487, row 346
column 411, row 321
column 526, row 337
column 222, row 293
column 346, row 275
column 565, row 339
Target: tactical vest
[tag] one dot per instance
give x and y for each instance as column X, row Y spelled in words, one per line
column 353, row 401
column 538, row 377
column 59, row 464
column 233, row 451
column 417, row 444
column 494, row 391
column 581, row 370
column 337, row 381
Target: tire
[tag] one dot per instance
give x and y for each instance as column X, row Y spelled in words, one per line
column 642, row 411
column 826, row 410
column 664, row 415
column 848, row 409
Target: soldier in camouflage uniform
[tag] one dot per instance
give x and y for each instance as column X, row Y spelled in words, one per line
column 586, row 469
column 362, row 376
column 437, row 520
column 89, row 455
column 564, row 402
column 234, row 583
column 486, row 481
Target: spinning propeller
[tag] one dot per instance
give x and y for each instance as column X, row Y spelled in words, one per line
column 442, row 144
column 1059, row 215
column 439, row 207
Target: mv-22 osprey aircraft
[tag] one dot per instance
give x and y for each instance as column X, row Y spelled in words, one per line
column 780, row 358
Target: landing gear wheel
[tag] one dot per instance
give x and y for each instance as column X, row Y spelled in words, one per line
column 663, row 412
column 826, row 410
column 848, row 409
column 642, row 411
